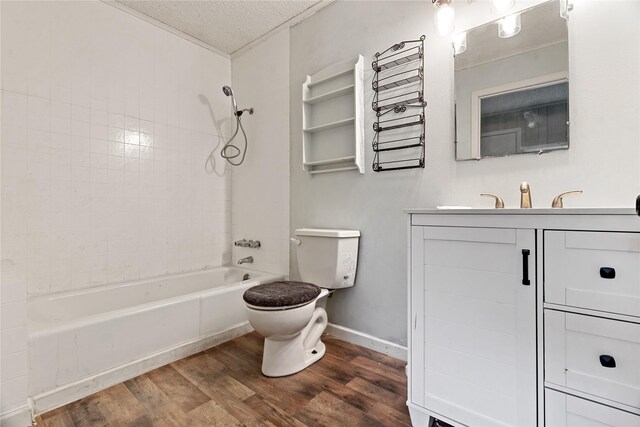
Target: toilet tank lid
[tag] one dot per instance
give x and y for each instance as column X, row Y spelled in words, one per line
column 326, row 232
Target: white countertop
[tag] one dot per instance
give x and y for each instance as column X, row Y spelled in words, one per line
column 534, row 211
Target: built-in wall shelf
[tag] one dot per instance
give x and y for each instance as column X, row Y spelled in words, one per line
column 321, row 80
column 334, row 169
column 331, row 161
column 332, row 119
column 331, row 94
column 331, row 125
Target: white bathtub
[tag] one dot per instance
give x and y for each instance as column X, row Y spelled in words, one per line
column 83, row 341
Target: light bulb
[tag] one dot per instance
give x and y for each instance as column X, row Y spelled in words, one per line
column 445, row 19
column 502, row 5
column 459, row 43
column 509, row 26
column 565, row 7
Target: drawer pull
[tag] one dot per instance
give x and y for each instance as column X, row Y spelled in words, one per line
column 525, row 267
column 607, row 272
column 607, row 361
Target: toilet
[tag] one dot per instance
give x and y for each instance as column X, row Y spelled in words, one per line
column 289, row 314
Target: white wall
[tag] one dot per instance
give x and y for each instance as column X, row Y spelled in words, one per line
column 260, row 186
column 107, row 124
column 604, row 158
column 13, row 332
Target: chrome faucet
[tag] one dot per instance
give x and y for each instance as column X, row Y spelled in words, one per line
column 525, row 196
column 248, row 260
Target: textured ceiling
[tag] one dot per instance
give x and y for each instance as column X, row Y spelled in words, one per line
column 226, row 25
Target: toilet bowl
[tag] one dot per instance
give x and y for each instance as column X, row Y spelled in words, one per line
column 292, row 336
column 287, row 314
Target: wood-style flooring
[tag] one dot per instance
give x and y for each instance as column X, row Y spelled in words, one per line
column 223, row 386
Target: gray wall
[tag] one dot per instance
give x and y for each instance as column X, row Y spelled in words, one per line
column 602, row 80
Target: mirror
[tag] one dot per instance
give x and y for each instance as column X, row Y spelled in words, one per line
column 512, row 85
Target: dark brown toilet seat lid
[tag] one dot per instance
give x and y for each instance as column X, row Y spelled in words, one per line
column 281, row 294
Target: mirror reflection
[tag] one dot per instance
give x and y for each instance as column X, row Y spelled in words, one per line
column 511, row 85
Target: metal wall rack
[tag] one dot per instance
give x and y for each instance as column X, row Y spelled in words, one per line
column 398, row 101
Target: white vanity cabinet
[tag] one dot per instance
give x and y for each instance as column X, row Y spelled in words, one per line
column 474, row 324
column 524, row 317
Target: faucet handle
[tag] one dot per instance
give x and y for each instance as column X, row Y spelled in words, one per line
column 557, row 201
column 499, row 201
column 255, row 244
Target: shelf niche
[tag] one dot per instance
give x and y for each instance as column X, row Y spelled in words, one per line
column 332, row 118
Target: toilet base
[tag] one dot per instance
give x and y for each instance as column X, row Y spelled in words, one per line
column 287, row 355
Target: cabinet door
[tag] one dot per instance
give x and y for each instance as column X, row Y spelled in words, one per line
column 477, row 344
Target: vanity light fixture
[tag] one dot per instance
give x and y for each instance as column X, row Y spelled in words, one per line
column 501, row 6
column 459, row 43
column 444, row 17
column 509, row 26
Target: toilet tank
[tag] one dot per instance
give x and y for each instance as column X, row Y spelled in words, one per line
column 328, row 258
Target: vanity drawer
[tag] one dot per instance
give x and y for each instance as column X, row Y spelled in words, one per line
column 594, row 270
column 593, row 355
column 564, row 410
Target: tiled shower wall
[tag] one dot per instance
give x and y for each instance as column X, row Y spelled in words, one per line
column 105, row 147
column 107, row 125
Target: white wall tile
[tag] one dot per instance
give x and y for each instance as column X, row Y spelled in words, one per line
column 14, row 340
column 14, row 393
column 13, row 366
column 13, row 314
column 107, row 183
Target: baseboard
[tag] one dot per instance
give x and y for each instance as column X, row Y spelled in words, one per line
column 71, row 392
column 368, row 341
column 20, row 417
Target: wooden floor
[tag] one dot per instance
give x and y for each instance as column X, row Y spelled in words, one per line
column 350, row 386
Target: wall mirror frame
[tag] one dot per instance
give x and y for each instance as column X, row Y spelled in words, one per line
column 512, row 93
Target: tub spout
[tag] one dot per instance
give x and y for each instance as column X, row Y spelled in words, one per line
column 248, row 259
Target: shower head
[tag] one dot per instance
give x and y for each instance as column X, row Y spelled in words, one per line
column 227, row 91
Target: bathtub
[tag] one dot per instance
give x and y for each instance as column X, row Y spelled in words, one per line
column 84, row 341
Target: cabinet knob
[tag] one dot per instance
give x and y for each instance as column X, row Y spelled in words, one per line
column 607, row 361
column 607, row 272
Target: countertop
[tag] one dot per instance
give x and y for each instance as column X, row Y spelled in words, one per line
column 534, row 211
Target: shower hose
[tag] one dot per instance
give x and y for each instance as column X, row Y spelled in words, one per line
column 229, row 151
